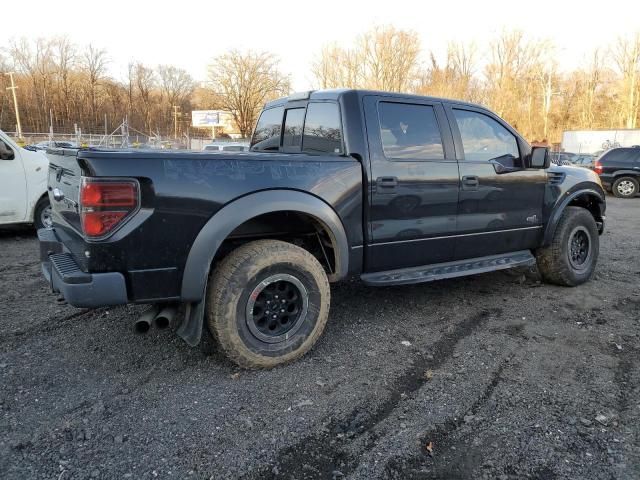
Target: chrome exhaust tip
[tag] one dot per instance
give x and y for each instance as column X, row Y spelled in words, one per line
column 143, row 324
column 164, row 319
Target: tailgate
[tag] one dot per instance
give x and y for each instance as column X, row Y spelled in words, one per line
column 64, row 186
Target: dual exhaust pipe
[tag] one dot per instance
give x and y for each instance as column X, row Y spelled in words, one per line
column 159, row 316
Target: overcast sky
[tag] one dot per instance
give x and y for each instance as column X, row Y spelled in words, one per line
column 189, row 34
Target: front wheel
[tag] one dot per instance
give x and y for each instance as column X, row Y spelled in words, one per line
column 268, row 303
column 42, row 214
column 572, row 256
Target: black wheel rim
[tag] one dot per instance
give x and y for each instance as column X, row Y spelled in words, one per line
column 579, row 250
column 276, row 308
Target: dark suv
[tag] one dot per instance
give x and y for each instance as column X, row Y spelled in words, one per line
column 619, row 170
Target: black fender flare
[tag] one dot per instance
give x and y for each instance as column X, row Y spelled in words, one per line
column 557, row 211
column 232, row 215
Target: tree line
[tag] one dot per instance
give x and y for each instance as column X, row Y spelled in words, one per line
column 518, row 77
column 68, row 85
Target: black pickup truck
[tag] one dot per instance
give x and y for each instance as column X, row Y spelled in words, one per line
column 393, row 188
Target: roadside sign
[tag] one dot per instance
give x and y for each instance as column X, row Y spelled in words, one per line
column 206, row 118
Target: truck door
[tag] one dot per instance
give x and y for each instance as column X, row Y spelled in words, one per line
column 500, row 208
column 413, row 186
column 13, row 193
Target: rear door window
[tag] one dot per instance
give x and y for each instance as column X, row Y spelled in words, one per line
column 622, row 156
column 410, row 132
column 322, row 129
column 266, row 137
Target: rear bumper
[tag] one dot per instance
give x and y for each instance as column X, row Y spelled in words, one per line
column 607, row 180
column 79, row 288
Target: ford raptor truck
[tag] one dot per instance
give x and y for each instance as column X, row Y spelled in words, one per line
column 391, row 188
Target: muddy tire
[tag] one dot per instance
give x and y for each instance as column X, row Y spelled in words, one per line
column 625, row 187
column 267, row 303
column 572, row 256
column 42, row 214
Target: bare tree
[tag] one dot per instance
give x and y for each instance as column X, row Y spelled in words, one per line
column 65, row 61
column 245, row 81
column 454, row 79
column 339, row 68
column 512, row 78
column 36, row 64
column 145, row 81
column 176, row 86
column 94, row 65
column 390, row 58
column 627, row 58
column 589, row 81
column 383, row 58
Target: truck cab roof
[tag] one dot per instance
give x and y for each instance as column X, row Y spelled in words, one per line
column 337, row 93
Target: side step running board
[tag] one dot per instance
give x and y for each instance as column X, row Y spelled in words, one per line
column 458, row 268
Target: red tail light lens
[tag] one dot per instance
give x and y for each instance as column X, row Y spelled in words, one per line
column 597, row 167
column 109, row 194
column 105, row 204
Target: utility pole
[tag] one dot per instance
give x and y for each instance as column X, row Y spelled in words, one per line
column 175, row 121
column 50, row 127
column 15, row 104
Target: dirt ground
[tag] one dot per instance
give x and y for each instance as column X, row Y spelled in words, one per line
column 502, row 377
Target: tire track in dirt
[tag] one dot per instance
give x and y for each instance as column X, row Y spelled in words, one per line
column 50, row 325
column 18, row 267
column 407, row 468
column 318, row 456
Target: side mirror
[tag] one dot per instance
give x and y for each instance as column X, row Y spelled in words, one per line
column 6, row 152
column 539, row 158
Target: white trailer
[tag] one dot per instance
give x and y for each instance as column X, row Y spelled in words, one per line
column 595, row 141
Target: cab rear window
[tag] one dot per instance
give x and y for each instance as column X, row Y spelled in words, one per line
column 322, row 129
column 316, row 129
column 266, row 137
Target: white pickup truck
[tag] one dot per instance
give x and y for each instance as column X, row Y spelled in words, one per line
column 23, row 185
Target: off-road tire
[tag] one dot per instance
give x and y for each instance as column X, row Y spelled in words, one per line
column 554, row 261
column 625, row 181
column 238, row 276
column 42, row 205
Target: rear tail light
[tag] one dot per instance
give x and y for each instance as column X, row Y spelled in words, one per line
column 597, row 167
column 106, row 204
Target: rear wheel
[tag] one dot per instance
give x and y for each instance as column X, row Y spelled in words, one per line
column 572, row 256
column 268, row 303
column 42, row 214
column 625, row 187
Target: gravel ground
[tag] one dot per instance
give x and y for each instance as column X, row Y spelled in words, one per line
column 502, row 377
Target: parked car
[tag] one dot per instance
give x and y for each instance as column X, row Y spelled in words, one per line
column 583, row 160
column 226, row 147
column 23, row 196
column 563, row 158
column 42, row 146
column 392, row 188
column 619, row 170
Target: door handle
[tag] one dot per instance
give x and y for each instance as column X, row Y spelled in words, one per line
column 470, row 181
column 387, row 182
